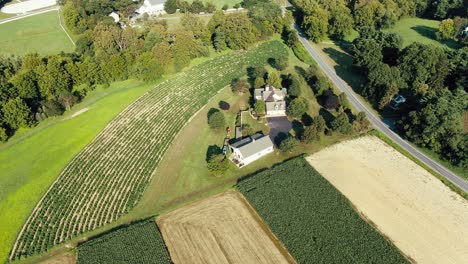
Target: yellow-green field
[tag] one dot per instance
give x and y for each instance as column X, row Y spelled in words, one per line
column 41, row 33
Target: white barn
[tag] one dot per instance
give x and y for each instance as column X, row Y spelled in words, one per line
column 250, row 149
column 152, row 7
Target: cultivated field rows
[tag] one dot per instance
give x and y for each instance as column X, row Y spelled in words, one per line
column 107, row 178
column 219, row 229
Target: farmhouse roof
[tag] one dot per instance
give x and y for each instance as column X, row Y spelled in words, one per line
column 156, row 2
column 253, row 145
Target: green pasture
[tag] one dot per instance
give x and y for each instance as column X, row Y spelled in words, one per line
column 41, row 33
column 415, row 29
column 221, row 3
column 32, row 159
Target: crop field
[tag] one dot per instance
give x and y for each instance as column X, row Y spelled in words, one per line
column 425, row 219
column 137, row 243
column 219, row 229
column 314, row 221
column 40, row 33
column 107, row 178
column 28, row 166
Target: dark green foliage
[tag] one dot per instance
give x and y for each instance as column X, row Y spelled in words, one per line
column 297, row 108
column 170, row 6
column 16, row 113
column 240, row 86
column 294, row 89
column 289, row 144
column 266, row 17
column 361, row 123
column 260, row 108
column 218, row 164
column 136, row 243
column 216, row 119
column 438, row 126
column 311, row 134
column 312, row 219
column 331, row 101
column 239, row 31
column 341, row 124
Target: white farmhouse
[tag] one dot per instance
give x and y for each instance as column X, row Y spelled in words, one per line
column 274, row 100
column 250, row 149
column 152, row 7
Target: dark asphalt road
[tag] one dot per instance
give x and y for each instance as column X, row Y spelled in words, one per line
column 376, row 121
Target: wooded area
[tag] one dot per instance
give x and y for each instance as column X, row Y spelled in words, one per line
column 35, row 87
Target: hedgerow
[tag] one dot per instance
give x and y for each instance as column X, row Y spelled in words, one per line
column 315, row 222
column 107, row 178
column 137, row 243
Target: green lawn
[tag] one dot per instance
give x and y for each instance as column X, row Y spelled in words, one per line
column 41, row 33
column 32, row 159
column 421, row 30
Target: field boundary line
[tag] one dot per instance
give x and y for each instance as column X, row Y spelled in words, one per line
column 18, row 17
column 63, row 28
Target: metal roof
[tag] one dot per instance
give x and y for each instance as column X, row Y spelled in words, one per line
column 252, row 145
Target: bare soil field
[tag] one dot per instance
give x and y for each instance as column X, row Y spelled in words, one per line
column 220, row 229
column 66, row 258
column 425, row 219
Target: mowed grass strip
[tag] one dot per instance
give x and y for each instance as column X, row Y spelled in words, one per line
column 40, row 33
column 107, row 178
column 136, row 243
column 33, row 158
column 315, row 222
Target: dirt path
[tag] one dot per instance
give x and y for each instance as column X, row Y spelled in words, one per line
column 219, row 229
column 423, row 217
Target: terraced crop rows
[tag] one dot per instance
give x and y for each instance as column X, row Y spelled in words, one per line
column 107, row 178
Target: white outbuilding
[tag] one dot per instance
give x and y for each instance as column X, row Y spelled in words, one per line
column 250, row 149
column 152, row 7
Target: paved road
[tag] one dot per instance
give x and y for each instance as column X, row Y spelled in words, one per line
column 32, row 13
column 375, row 120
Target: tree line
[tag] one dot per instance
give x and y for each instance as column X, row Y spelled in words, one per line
column 34, row 87
column 336, row 18
column 432, row 79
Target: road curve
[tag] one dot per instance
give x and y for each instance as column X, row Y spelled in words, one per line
column 375, row 120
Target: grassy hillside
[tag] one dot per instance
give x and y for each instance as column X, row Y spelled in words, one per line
column 315, row 222
column 32, row 159
column 125, row 154
column 41, row 33
column 415, row 29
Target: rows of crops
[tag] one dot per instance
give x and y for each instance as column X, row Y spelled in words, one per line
column 107, row 178
column 314, row 221
column 137, row 243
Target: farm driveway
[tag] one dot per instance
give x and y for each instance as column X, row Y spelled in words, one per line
column 278, row 125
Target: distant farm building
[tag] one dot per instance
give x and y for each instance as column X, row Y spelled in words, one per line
column 274, row 100
column 250, row 149
column 152, row 7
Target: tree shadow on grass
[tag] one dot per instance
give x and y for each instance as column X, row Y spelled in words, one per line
column 344, row 68
column 430, row 33
column 213, row 150
column 327, row 116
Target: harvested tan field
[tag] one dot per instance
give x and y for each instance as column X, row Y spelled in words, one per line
column 219, row 229
column 425, row 219
column 66, row 258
